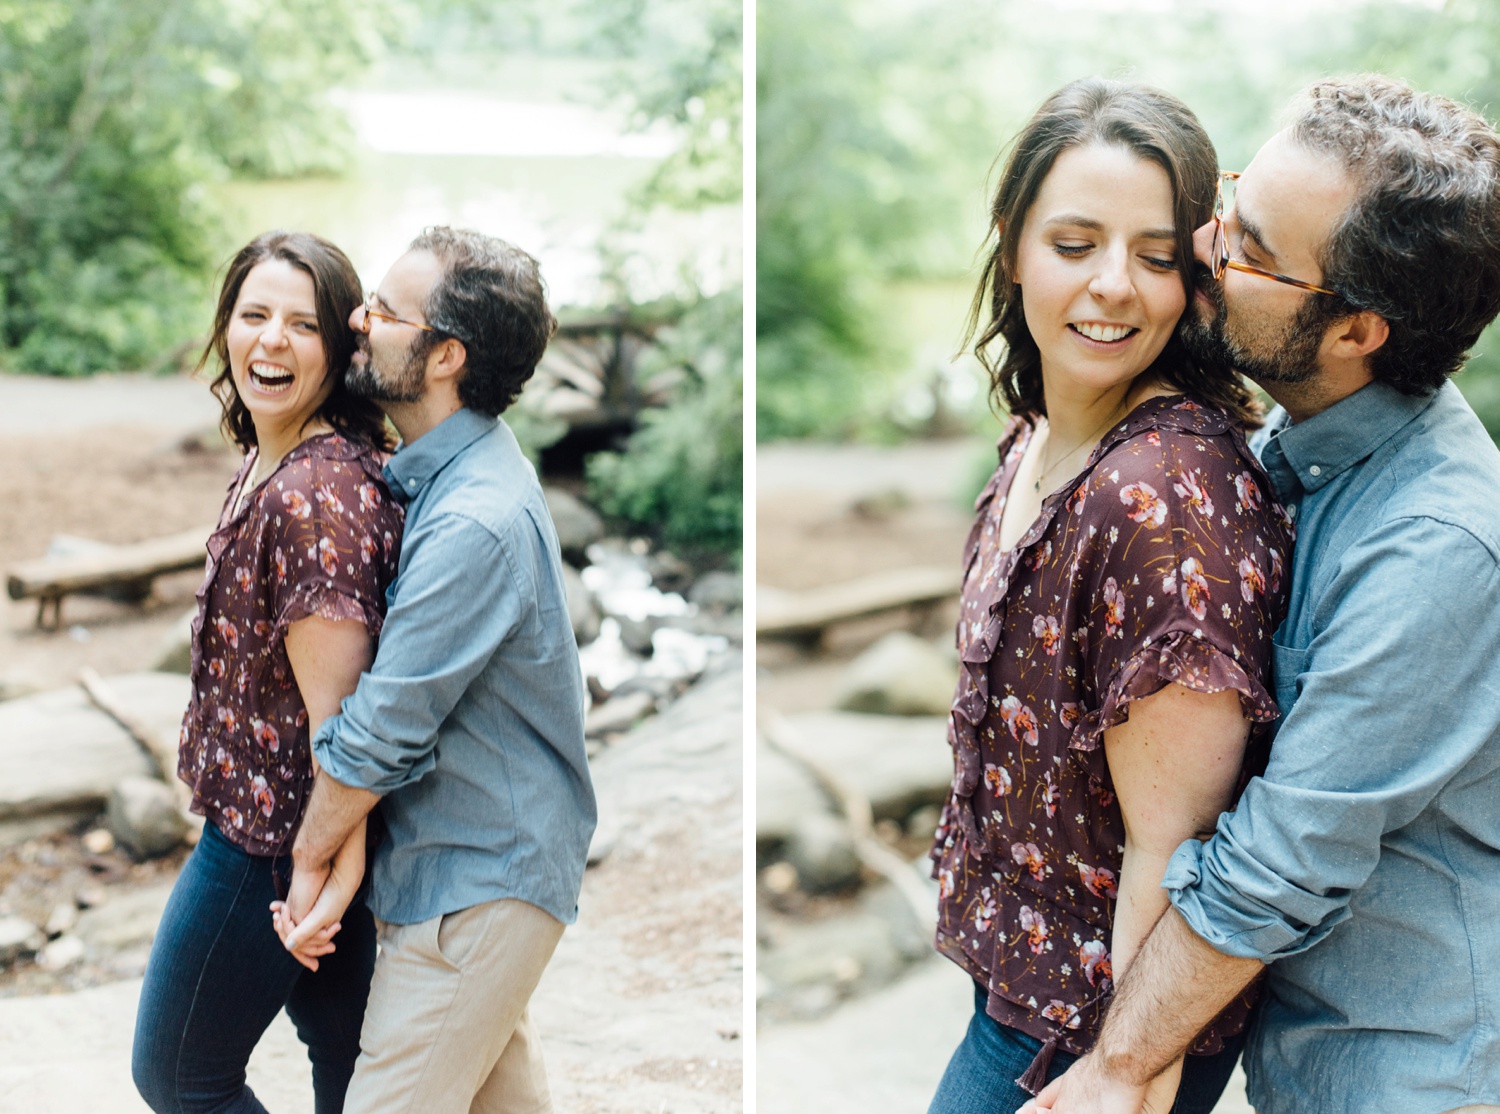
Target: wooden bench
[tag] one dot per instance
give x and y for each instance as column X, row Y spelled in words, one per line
column 120, row 567
column 805, row 615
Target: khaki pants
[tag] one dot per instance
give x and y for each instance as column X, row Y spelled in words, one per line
column 447, row 1031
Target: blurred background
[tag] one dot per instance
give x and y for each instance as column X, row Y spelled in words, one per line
column 140, row 147
column 878, row 131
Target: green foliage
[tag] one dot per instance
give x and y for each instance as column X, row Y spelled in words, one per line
column 870, row 164
column 680, row 476
column 858, row 113
column 111, row 117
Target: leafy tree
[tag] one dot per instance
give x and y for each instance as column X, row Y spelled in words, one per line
column 111, row 117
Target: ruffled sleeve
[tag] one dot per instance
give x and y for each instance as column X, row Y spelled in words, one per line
column 1185, row 576
column 335, row 535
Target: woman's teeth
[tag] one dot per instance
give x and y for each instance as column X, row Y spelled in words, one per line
column 269, row 377
column 1104, row 333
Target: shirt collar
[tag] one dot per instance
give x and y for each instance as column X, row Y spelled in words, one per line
column 415, row 464
column 1334, row 440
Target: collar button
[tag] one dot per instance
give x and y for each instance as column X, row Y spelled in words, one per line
column 1315, row 470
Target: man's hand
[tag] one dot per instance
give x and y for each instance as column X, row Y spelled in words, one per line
column 1086, row 1088
column 317, row 898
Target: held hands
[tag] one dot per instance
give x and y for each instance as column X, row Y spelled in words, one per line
column 316, row 899
column 1086, row 1088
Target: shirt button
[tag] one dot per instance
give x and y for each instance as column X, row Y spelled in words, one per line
column 411, row 485
column 1291, row 511
column 1316, row 470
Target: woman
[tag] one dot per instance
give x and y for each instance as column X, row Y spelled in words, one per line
column 1122, row 581
column 288, row 614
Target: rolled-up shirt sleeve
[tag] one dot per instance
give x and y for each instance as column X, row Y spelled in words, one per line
column 1384, row 694
column 456, row 600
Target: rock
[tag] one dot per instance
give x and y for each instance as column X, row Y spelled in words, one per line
column 923, row 823
column 840, row 951
column 821, row 848
column 18, row 937
column 900, row 675
column 898, row 763
column 669, row 572
column 718, row 592
column 60, row 753
column 618, row 714
column 174, row 655
column 785, row 793
column 64, row 916
column 62, row 953
column 578, row 525
column 636, row 633
column 582, row 612
column 143, row 815
column 100, row 841
column 16, row 684
column 127, row 921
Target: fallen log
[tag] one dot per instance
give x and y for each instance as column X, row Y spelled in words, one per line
column 49, row 579
column 807, row 614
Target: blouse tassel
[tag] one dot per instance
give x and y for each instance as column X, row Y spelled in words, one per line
column 1035, row 1077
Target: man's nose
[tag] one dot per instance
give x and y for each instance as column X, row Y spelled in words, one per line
column 359, row 320
column 1203, row 243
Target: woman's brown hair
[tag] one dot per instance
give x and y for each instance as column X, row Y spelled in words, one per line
column 1153, row 125
column 336, row 291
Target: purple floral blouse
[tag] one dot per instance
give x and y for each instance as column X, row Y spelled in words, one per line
column 1164, row 561
column 320, row 536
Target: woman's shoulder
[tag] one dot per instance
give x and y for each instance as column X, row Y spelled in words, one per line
column 331, row 476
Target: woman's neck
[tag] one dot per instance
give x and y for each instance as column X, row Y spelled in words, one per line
column 271, row 444
column 1077, row 414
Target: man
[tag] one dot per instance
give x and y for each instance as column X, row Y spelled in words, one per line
column 1357, row 265
column 469, row 724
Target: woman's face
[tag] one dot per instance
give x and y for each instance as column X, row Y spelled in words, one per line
column 276, row 349
column 1098, row 270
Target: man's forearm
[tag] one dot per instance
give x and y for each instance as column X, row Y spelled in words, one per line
column 334, row 811
column 1177, row 984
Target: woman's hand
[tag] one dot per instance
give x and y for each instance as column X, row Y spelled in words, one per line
column 309, row 936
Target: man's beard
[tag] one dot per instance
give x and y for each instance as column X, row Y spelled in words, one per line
column 405, row 384
column 1291, row 357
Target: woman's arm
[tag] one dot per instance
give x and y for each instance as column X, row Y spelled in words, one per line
column 1174, row 764
column 327, row 658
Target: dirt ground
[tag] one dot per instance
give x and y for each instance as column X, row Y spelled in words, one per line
column 112, row 484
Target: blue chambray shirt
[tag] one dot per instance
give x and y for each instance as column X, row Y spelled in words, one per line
column 470, row 721
column 1364, row 866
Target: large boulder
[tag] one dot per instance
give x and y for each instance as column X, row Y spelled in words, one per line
column 578, row 525
column 582, row 612
column 143, row 814
column 897, row 763
column 175, row 652
column 61, row 754
column 900, row 675
column 821, row 848
column 718, row 592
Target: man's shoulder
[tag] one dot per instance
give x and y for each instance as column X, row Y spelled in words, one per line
column 1442, row 477
column 489, row 483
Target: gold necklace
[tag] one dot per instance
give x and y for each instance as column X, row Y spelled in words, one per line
column 1042, row 475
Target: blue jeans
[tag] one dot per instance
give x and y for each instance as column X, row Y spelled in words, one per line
column 981, row 1076
column 218, row 976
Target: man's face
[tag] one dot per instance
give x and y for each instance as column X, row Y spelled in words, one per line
column 390, row 361
column 1287, row 202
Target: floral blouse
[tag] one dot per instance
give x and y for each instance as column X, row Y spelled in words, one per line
column 320, row 536
column 1164, row 561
